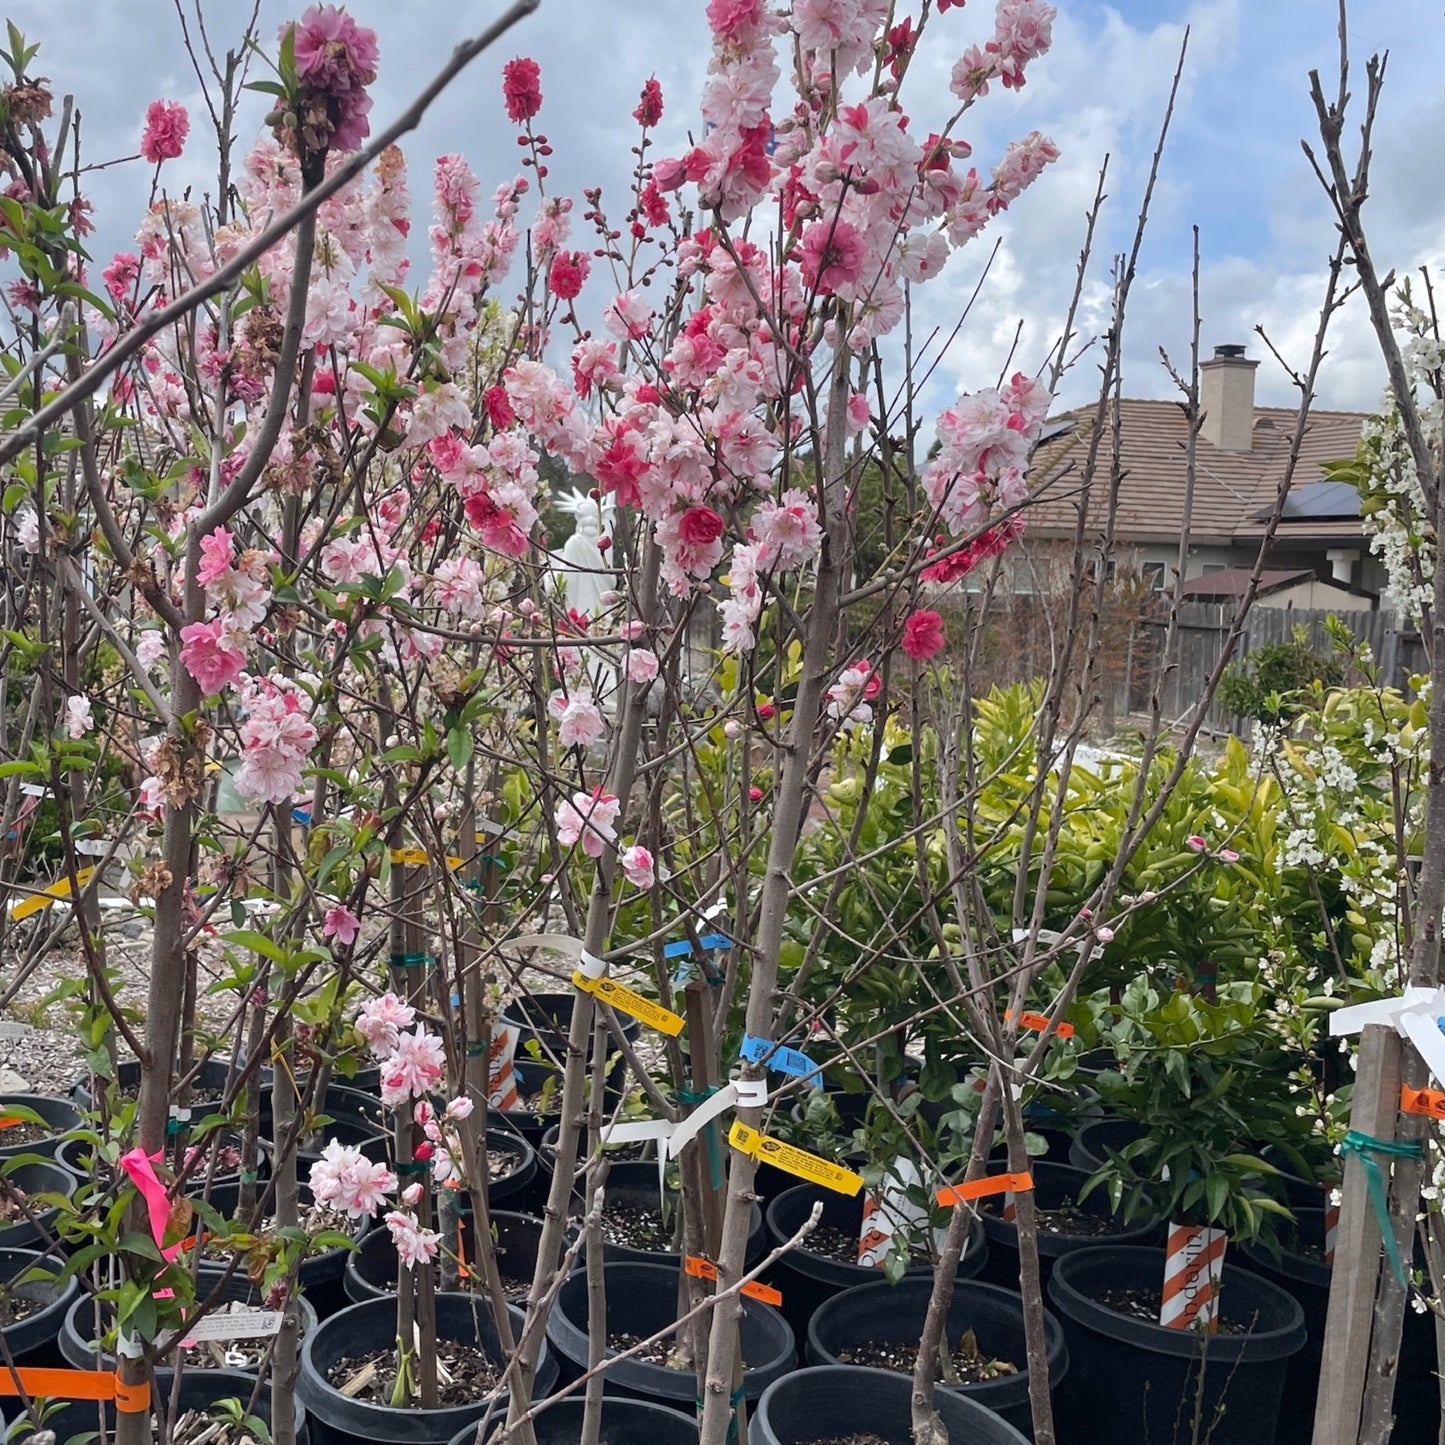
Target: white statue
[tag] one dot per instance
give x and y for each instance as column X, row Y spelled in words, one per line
column 585, row 576
column 584, row 571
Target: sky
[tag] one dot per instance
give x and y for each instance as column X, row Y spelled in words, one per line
column 1233, row 166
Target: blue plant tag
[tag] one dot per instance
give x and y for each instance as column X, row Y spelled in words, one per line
column 688, row 969
column 781, row 1059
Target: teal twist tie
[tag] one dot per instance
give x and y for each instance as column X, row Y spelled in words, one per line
column 410, row 960
column 1364, row 1147
column 414, row 1166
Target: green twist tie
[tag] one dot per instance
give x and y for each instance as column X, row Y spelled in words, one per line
column 495, row 859
column 414, row 1166
column 410, row 960
column 1364, row 1147
column 176, row 1126
column 696, row 1096
column 476, row 1049
column 250, row 1176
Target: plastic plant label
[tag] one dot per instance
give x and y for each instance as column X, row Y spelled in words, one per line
column 1429, row 1102
column 625, row 1000
column 754, row 1289
column 36, row 903
column 1193, row 1270
column 989, row 1184
column 781, row 1059
column 502, row 1091
column 887, row 1211
column 419, row 858
column 242, row 1325
column 1039, row 1022
column 767, row 1150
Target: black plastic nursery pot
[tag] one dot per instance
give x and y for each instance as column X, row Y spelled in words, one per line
column 624, row 1422
column 1139, row 1381
column 356, row 1118
column 529, row 1119
column 23, row 1137
column 33, row 1339
column 1055, row 1186
column 834, row 1401
column 636, row 1183
column 641, row 1300
column 372, row 1270
column 199, row 1390
column 33, row 1180
column 1093, row 1143
column 370, row 1326
column 808, row 1280
column 208, row 1086
column 1300, row 1270
column 79, row 1156
column 546, row 1018
column 79, row 1328
column 884, row 1313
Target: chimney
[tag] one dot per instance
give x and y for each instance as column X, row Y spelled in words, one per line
column 1226, row 397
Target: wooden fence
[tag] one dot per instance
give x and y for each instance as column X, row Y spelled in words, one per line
column 1024, row 635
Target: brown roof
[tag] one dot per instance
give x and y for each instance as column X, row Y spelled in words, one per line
column 1234, row 582
column 1230, row 487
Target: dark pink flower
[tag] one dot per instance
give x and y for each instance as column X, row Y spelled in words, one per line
column 499, row 408
column 166, row 128
column 923, row 635
column 341, row 924
column 649, row 108
column 832, row 254
column 568, row 271
column 335, row 61
column 522, row 89
column 700, row 526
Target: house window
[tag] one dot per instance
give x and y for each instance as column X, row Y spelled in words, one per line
column 1153, row 573
column 1210, row 568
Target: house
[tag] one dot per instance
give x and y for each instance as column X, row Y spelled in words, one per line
column 1241, row 457
column 1297, row 587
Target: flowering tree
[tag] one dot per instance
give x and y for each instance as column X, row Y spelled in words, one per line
column 297, row 544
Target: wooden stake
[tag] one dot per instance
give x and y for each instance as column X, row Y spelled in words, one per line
column 1356, row 1274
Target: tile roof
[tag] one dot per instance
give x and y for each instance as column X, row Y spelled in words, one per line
column 1230, row 488
column 1234, row 582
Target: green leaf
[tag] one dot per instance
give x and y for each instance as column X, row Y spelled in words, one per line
column 258, row 943
column 459, row 747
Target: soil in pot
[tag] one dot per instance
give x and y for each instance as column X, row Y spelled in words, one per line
column 639, row 1228
column 1065, row 1223
column 844, row 1402
column 28, row 1137
column 810, row 1276
column 34, row 1310
column 464, row 1373
column 25, row 1216
column 1135, row 1379
column 879, row 1325
column 642, row 1301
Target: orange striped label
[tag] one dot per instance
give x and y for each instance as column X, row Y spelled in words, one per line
column 1039, row 1022
column 754, row 1289
column 1193, row 1269
column 1332, row 1226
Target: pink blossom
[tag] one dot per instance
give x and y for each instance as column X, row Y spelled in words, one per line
column 411, row 1195
column 381, row 1020
column 209, row 656
column 1104, row 934
column 216, row 554
column 567, row 273
column 335, row 61
column 787, row 531
column 637, row 865
column 587, row 817
column 639, row 664
column 461, row 1107
column 166, row 127
column 522, row 89
column 923, row 635
column 831, row 255
column 345, row 1179
column 700, row 526
column 341, row 924
column 649, row 108
column 1197, row 843
column 414, row 1068
column 579, row 719
column 1227, row 855
column 276, row 739
column 414, row 1245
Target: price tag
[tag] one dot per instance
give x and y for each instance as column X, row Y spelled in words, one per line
column 625, row 1000
column 767, row 1150
column 242, row 1324
column 1429, row 1102
column 989, row 1184
column 754, row 1289
column 56, row 891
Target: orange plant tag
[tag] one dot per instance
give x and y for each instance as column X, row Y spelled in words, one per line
column 989, row 1184
column 1039, row 1022
column 1429, row 1102
column 706, row 1269
column 9, row 1123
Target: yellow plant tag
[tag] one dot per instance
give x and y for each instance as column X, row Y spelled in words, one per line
column 628, row 1001
column 418, row 858
column 57, row 890
column 767, row 1150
